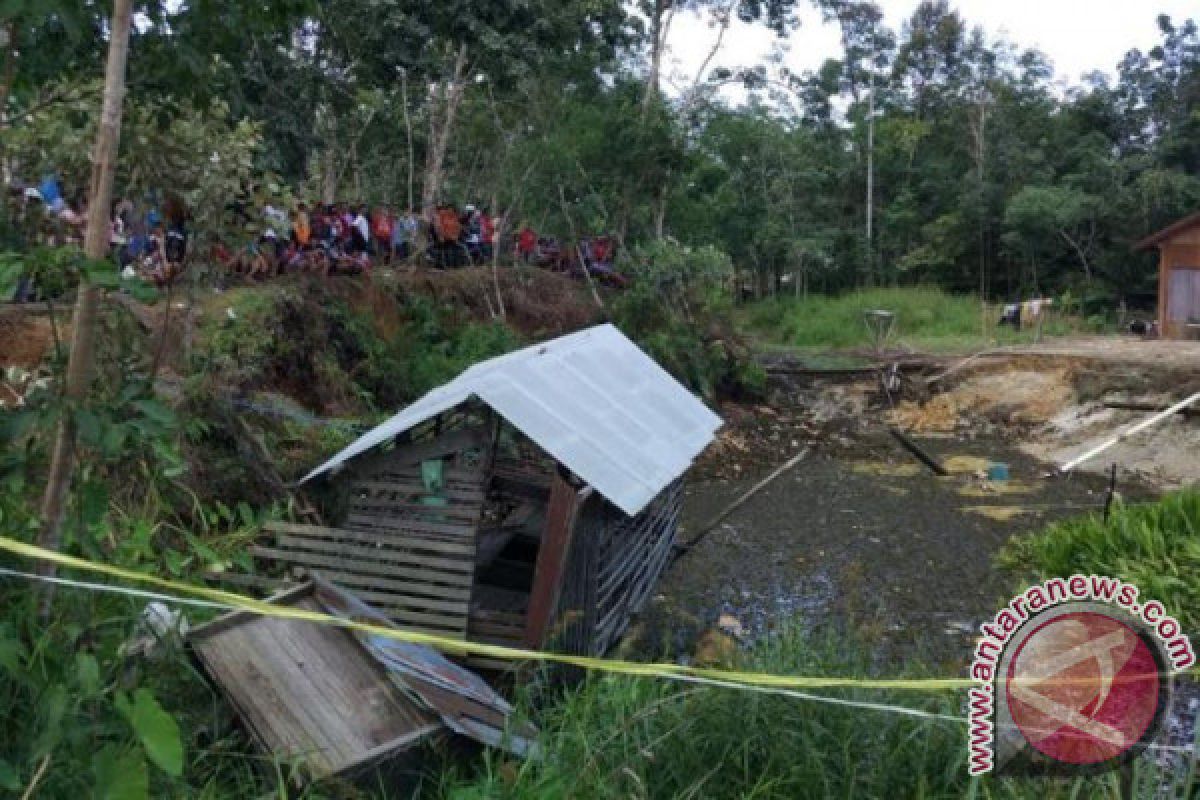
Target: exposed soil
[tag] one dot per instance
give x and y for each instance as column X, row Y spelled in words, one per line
column 1055, row 410
column 27, row 339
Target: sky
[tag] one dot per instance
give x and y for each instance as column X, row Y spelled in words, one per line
column 1079, row 36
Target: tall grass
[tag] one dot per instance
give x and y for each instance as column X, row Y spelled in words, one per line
column 1155, row 546
column 925, row 317
column 617, row 737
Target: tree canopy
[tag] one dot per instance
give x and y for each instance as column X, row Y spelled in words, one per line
column 986, row 173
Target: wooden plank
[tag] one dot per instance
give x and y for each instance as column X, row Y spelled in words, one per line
column 291, row 652
column 225, row 621
column 472, row 494
column 309, row 691
column 246, row 676
column 381, row 522
column 374, row 568
column 392, row 540
column 447, row 513
column 451, row 625
column 355, row 581
column 561, row 514
column 376, row 559
column 279, row 526
column 288, row 677
column 457, row 479
column 419, row 527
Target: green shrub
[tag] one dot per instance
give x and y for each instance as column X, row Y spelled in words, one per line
column 1155, row 546
column 677, row 309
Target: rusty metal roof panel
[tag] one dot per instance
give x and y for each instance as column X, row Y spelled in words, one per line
column 593, row 400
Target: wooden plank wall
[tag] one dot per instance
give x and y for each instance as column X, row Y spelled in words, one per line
column 1180, row 252
column 413, row 560
column 613, row 569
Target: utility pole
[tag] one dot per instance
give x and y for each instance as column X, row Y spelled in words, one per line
column 96, row 243
column 871, row 177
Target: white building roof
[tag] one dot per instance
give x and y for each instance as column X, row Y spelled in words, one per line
column 592, row 400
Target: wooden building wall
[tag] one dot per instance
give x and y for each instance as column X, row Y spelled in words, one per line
column 614, row 564
column 1179, row 284
column 405, row 548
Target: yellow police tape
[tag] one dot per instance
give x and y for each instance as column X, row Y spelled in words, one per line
column 460, row 647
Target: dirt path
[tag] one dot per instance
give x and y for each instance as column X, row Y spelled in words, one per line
column 1120, row 350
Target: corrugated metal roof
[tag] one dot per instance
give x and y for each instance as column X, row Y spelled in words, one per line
column 593, row 400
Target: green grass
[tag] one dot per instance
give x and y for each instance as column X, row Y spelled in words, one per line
column 617, row 737
column 1155, row 546
column 926, row 318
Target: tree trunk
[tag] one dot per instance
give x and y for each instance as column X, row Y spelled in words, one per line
column 329, row 175
column 408, row 133
column 660, row 209
column 871, row 184
column 660, row 27
column 10, row 68
column 79, row 366
column 439, row 132
column 1087, row 267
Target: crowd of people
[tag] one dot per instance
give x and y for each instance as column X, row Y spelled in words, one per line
column 152, row 240
column 344, row 238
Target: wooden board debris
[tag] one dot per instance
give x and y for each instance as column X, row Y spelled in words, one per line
column 309, row 693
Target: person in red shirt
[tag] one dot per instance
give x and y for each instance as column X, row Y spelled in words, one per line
column 381, row 232
column 526, row 244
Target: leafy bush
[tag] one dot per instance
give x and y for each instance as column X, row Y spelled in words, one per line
column 677, row 308
column 1155, row 546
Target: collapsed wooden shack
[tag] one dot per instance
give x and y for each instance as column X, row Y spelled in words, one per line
column 531, row 502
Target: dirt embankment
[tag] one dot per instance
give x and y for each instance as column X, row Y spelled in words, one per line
column 28, row 338
column 1055, row 409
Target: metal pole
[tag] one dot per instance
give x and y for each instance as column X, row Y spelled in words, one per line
column 1128, row 434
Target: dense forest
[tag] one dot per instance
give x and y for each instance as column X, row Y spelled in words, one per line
column 932, row 154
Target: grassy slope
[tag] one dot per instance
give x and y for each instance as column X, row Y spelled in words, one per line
column 927, row 319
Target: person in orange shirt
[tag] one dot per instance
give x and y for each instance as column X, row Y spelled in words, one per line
column 301, row 228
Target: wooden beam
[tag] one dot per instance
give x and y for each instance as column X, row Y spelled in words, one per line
column 561, row 513
column 919, row 453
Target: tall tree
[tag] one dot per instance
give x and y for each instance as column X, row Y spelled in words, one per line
column 79, row 366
